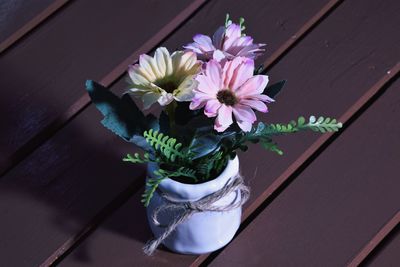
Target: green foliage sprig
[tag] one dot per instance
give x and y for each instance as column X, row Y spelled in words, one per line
column 136, row 158
column 263, row 133
column 151, row 186
column 317, row 125
column 168, row 146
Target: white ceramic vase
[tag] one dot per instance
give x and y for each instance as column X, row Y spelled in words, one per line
column 203, row 232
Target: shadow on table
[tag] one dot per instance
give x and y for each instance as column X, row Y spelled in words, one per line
column 73, row 177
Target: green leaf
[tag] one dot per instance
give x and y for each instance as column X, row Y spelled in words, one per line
column 301, row 121
column 274, row 89
column 203, row 145
column 121, row 115
column 271, row 146
column 259, row 70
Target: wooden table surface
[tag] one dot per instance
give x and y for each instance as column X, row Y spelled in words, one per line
column 332, row 200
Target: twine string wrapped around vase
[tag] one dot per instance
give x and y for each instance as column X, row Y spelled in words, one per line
column 235, row 184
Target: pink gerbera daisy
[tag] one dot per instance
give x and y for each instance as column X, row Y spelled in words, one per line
column 227, row 42
column 231, row 88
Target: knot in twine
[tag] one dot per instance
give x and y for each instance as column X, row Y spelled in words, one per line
column 191, row 207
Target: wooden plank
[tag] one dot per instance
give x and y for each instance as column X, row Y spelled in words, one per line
column 17, row 18
column 388, row 254
column 43, row 76
column 337, row 204
column 372, row 246
column 342, row 71
column 67, row 180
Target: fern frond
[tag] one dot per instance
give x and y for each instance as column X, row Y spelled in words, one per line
column 136, row 158
column 181, row 171
column 168, row 146
column 151, row 187
column 153, row 183
column 271, row 146
column 321, row 125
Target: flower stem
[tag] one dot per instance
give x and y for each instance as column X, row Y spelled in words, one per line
column 170, row 109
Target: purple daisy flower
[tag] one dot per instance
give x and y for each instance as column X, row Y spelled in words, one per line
column 227, row 42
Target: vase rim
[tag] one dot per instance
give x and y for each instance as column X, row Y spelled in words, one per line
column 191, row 192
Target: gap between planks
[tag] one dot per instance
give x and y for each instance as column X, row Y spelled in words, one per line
column 107, row 81
column 375, row 241
column 32, row 24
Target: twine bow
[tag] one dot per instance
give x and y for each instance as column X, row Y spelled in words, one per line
column 191, row 207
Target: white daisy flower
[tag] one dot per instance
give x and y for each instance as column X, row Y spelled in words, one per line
column 164, row 77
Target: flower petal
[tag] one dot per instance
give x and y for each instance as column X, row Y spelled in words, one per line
column 214, row 72
column 206, row 86
column 251, row 51
column 212, row 107
column 245, row 125
column 163, row 60
column 195, row 47
column 261, row 97
column 218, row 37
column 199, row 100
column 218, row 55
column 253, row 86
column 165, row 99
column 232, row 32
column 244, row 116
column 243, row 41
column 204, row 41
column 196, row 104
column 149, row 66
column 229, row 69
column 255, row 104
column 149, row 99
column 185, row 91
column 137, row 76
column 185, row 63
column 224, row 119
column 242, row 73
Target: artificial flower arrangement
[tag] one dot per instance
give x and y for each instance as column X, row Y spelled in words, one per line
column 208, row 93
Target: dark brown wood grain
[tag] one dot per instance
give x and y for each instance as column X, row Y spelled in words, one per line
column 336, row 205
column 43, row 76
column 388, row 254
column 17, row 18
column 71, row 177
column 328, row 64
